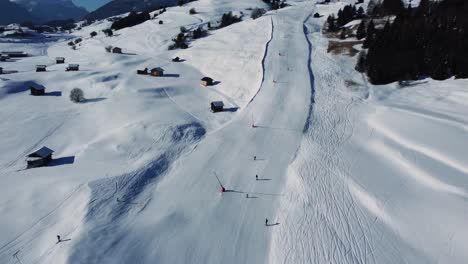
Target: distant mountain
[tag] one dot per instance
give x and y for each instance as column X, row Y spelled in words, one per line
column 47, row 10
column 117, row 7
column 13, row 13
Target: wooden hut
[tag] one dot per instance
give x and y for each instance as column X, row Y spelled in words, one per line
column 41, row 68
column 37, row 90
column 60, row 60
column 39, row 158
column 73, row 67
column 206, row 81
column 158, row 71
column 217, row 106
column 4, row 57
column 176, row 59
column 116, row 50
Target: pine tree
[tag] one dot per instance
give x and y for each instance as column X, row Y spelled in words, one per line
column 370, row 34
column 361, row 31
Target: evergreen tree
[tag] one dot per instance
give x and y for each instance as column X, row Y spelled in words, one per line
column 361, row 31
column 370, row 34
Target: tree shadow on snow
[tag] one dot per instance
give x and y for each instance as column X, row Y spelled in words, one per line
column 171, row 75
column 231, row 109
column 55, row 93
column 94, row 100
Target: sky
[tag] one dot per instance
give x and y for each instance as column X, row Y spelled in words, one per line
column 90, row 4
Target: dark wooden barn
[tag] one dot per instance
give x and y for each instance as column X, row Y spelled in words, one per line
column 116, row 50
column 4, row 57
column 157, row 71
column 38, row 90
column 73, row 67
column 60, row 60
column 41, row 68
column 39, row 158
column 176, row 59
column 206, row 81
column 217, row 106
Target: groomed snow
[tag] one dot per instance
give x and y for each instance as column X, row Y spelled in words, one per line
column 348, row 172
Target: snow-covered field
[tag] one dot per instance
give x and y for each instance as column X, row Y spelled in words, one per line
column 348, row 172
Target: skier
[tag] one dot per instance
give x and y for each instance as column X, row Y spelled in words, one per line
column 58, row 239
column 246, row 195
column 255, row 157
column 266, row 221
column 256, row 177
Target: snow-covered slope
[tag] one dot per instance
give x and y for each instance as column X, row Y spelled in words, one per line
column 348, row 172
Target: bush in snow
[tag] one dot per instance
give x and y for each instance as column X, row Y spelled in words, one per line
column 179, row 42
column 229, row 19
column 257, row 12
column 93, row 34
column 77, row 95
column 192, row 11
column 108, row 48
column 183, row 29
column 78, row 40
column 71, row 43
column 108, row 32
column 199, row 33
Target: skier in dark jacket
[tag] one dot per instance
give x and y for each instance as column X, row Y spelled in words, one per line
column 266, row 221
column 58, row 239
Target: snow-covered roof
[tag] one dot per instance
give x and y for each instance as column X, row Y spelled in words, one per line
column 218, row 103
column 207, row 79
column 157, row 69
column 42, row 153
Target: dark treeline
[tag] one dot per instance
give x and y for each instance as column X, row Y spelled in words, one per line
column 345, row 15
column 131, row 20
column 427, row 41
column 275, row 4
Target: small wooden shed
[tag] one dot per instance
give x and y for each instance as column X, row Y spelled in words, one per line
column 60, row 60
column 4, row 57
column 39, row 158
column 37, row 90
column 41, row 68
column 158, row 71
column 116, row 50
column 176, row 59
column 206, row 81
column 217, row 106
column 73, row 67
